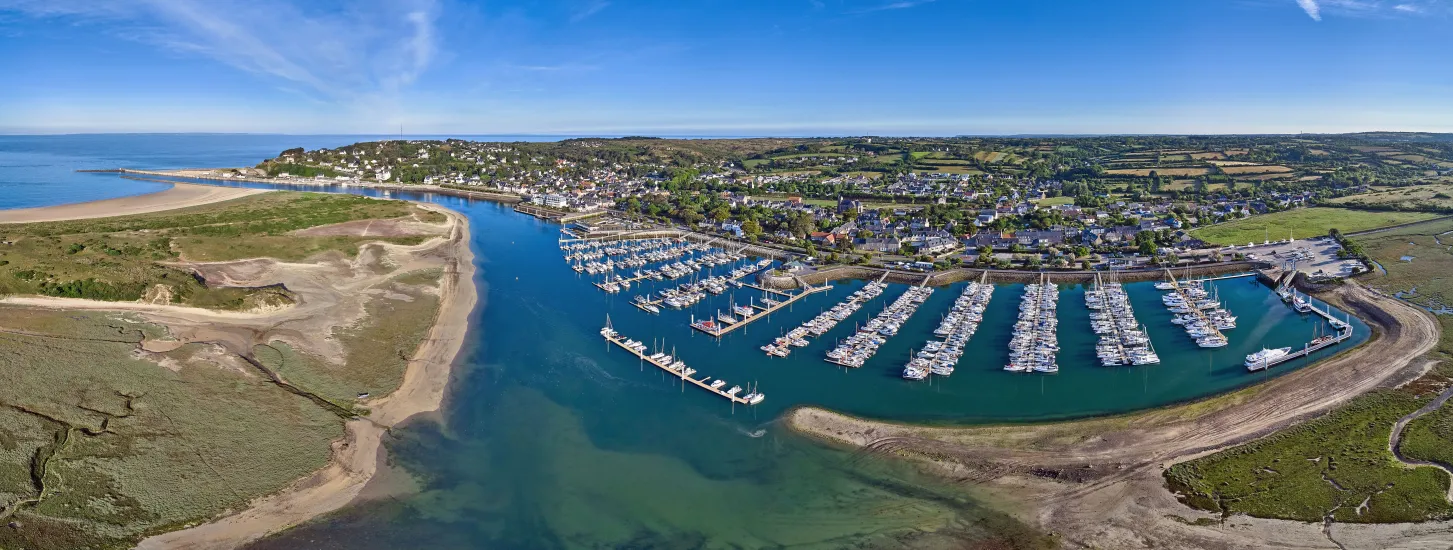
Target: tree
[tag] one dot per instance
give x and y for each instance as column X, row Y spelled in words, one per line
column 752, row 228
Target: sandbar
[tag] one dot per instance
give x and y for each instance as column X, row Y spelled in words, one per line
column 180, row 195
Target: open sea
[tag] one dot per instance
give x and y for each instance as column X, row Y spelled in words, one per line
column 550, row 438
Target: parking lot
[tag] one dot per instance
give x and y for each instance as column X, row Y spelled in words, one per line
column 1314, row 257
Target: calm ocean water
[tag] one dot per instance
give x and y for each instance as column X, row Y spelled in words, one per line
column 552, row 440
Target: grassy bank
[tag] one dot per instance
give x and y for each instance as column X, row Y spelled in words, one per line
column 1302, row 223
column 378, row 347
column 125, row 258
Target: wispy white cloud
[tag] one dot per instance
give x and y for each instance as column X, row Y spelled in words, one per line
column 1313, row 10
column 898, row 5
column 1316, row 9
column 589, row 8
column 336, row 51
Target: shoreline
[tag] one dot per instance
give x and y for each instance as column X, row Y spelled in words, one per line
column 1099, row 479
column 358, row 456
column 209, row 174
column 179, row 195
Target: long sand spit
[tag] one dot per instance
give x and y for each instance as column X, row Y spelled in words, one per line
column 180, row 195
column 1098, row 482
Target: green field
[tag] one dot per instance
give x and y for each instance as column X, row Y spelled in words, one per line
column 1302, row 223
column 1054, row 201
column 1430, row 197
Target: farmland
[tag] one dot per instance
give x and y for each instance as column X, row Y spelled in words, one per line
column 1437, row 197
column 1302, row 223
column 1160, row 171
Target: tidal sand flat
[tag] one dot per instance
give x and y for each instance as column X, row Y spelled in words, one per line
column 180, row 195
column 177, row 367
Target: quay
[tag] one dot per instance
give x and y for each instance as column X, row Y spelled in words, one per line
column 681, row 370
column 716, row 329
column 1344, row 331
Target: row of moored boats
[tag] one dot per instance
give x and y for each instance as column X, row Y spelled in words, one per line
column 1199, row 313
column 825, row 321
column 678, row 367
column 938, row 357
column 1122, row 340
column 858, row 348
column 1035, row 344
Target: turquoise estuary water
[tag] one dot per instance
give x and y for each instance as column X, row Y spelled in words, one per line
column 552, row 439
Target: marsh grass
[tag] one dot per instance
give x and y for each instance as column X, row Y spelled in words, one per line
column 1327, row 467
column 148, row 446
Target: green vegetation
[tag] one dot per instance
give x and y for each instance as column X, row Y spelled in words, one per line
column 121, row 259
column 123, row 446
column 1430, row 437
column 1337, row 466
column 1302, row 223
column 1417, row 262
column 1437, row 197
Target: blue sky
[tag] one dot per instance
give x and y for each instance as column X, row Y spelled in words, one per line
column 726, row 67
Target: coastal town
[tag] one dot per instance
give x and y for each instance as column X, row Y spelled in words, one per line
column 932, row 204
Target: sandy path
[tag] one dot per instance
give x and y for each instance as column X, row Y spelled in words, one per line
column 357, row 457
column 1099, row 481
column 181, row 195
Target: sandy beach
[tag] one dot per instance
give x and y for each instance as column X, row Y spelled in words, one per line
column 181, row 195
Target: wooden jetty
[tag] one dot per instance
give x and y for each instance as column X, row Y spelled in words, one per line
column 751, row 398
column 717, row 329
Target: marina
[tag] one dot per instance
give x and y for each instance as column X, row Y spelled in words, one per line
column 1036, row 342
column 686, row 295
column 742, row 315
column 825, row 321
column 1198, row 312
column 1270, row 357
column 678, row 368
column 861, row 346
column 938, row 357
column 1123, row 341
